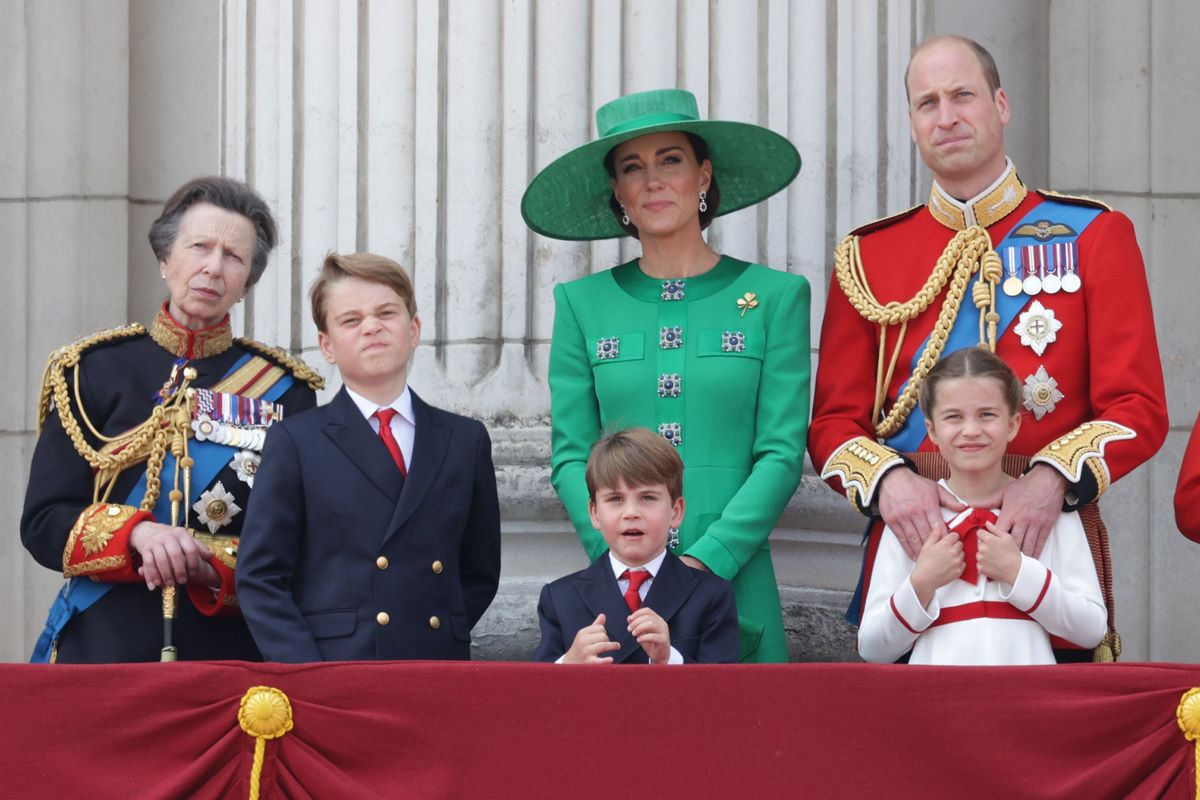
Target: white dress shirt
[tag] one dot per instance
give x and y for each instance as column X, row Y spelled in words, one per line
column 404, row 424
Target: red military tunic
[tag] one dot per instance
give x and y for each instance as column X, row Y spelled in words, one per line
column 1095, row 404
column 1187, row 491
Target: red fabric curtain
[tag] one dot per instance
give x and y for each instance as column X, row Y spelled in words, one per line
column 531, row 730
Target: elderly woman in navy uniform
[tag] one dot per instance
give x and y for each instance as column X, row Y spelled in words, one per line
column 148, row 445
column 709, row 351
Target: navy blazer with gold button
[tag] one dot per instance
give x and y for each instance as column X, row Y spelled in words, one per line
column 344, row 559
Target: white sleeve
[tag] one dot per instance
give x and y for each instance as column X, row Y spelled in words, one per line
column 1061, row 590
column 892, row 617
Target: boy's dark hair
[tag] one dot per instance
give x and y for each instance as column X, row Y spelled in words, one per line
column 638, row 458
column 972, row 362
column 368, row 267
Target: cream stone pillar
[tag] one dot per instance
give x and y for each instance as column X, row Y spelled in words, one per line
column 64, row 78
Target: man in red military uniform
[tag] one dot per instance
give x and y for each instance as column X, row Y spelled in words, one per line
column 1055, row 285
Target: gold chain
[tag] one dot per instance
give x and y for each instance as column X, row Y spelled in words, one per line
column 968, row 252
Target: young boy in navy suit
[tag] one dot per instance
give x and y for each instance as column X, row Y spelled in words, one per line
column 637, row 603
column 374, row 532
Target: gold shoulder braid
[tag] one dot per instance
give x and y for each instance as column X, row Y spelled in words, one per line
column 298, row 367
column 970, row 251
column 168, row 424
column 67, row 357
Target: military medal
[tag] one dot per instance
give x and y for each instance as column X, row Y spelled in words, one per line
column 1041, row 393
column 1032, row 283
column 1012, row 284
column 216, row 508
column 1037, row 327
column 245, row 464
column 1053, row 259
column 233, row 420
column 1070, row 278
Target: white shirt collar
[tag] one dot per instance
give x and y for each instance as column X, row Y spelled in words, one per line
column 403, row 405
column 652, row 566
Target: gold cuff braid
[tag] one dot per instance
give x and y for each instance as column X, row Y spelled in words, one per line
column 859, row 464
column 1084, row 448
column 94, row 529
column 223, row 547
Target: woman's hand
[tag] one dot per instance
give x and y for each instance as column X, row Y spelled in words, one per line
column 171, row 556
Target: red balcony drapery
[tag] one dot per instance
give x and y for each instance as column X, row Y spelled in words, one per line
column 425, row 729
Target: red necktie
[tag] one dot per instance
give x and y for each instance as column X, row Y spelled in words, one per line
column 384, row 415
column 636, row 578
column 968, row 530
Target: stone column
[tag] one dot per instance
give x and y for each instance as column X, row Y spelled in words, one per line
column 1123, row 128
column 64, row 78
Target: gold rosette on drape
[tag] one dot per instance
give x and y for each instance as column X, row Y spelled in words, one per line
column 264, row 713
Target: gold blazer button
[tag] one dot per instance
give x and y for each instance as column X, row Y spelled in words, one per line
column 436, row 567
column 435, row 623
column 381, row 562
column 383, row 618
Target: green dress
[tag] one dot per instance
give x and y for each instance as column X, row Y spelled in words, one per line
column 717, row 363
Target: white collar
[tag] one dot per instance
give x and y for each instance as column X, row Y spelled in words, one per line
column 651, row 566
column 402, row 404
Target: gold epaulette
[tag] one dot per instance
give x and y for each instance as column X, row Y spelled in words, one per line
column 1076, row 199
column 298, row 367
column 68, row 356
column 878, row 224
column 1083, row 448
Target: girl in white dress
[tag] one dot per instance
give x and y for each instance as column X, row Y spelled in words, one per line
column 972, row 596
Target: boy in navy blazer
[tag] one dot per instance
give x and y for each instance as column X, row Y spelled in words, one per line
column 374, row 532
column 637, row 603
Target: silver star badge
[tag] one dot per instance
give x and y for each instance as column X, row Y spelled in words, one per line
column 1041, row 393
column 245, row 463
column 1038, row 327
column 216, row 508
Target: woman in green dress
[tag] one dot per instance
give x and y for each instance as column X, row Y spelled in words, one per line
column 710, row 352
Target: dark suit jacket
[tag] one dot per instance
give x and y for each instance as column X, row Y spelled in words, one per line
column 698, row 608
column 343, row 559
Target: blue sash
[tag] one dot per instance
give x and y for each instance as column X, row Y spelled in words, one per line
column 78, row 594
column 965, row 331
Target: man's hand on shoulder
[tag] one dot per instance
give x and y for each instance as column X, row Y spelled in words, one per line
column 1030, row 505
column 911, row 506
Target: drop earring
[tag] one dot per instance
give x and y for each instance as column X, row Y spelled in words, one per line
column 703, row 204
column 624, row 215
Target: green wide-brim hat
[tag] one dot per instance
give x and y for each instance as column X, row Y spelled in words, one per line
column 569, row 198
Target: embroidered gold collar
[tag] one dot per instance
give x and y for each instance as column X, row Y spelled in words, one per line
column 184, row 343
column 987, row 208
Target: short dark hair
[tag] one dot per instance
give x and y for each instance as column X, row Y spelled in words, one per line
column 229, row 194
column 971, row 362
column 366, row 266
column 988, row 64
column 712, row 194
column 636, row 457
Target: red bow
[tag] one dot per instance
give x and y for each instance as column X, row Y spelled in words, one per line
column 968, row 530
